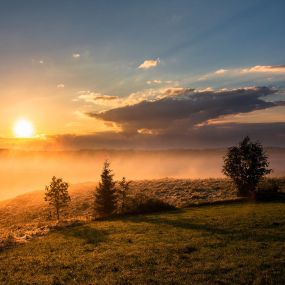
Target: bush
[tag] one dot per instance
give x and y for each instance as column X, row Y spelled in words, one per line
column 141, row 204
column 7, row 241
column 268, row 189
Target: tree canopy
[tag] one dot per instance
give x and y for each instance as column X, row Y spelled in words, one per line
column 57, row 194
column 246, row 164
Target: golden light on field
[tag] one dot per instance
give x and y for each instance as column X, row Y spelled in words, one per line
column 23, row 129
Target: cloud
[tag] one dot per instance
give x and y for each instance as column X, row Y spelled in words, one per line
column 221, row 71
column 158, row 81
column 155, row 81
column 76, row 55
column 60, row 85
column 150, row 63
column 208, row 136
column 152, row 94
column 109, row 102
column 183, row 109
column 264, row 69
column 260, row 70
column 81, row 115
column 94, row 97
column 217, row 73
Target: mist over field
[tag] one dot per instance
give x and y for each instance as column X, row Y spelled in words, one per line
column 25, row 171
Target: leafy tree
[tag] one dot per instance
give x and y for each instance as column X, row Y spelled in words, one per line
column 57, row 194
column 105, row 195
column 246, row 164
column 122, row 193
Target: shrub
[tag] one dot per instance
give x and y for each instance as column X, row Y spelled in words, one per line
column 141, row 204
column 267, row 189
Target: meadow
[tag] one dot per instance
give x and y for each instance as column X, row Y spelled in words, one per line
column 27, row 214
column 242, row 243
column 211, row 237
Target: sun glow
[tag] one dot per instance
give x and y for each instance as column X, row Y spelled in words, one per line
column 23, row 129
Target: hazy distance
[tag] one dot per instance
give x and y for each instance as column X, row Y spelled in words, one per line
column 24, row 171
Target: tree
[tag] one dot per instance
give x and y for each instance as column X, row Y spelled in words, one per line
column 122, row 193
column 105, row 195
column 57, row 194
column 246, row 164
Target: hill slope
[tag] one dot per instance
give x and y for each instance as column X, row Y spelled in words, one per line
column 30, row 208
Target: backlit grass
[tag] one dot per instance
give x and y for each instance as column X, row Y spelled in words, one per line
column 225, row 244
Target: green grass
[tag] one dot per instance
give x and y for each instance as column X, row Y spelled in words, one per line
column 223, row 244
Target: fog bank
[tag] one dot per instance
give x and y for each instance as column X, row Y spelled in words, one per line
column 22, row 171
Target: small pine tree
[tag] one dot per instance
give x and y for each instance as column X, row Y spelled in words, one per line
column 122, row 193
column 57, row 194
column 105, row 195
column 246, row 164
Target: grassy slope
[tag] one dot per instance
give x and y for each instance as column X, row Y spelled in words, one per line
column 225, row 244
column 31, row 208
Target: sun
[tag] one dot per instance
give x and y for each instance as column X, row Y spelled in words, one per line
column 23, row 129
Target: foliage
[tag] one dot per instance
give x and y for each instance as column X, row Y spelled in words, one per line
column 141, row 204
column 57, row 194
column 246, row 164
column 122, row 195
column 268, row 189
column 105, row 195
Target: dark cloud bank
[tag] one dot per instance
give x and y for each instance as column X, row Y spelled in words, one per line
column 187, row 109
column 180, row 121
column 218, row 136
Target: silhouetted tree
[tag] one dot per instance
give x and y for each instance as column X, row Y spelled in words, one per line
column 57, row 194
column 246, row 164
column 105, row 195
column 122, row 193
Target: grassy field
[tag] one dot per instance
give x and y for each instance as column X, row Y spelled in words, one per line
column 224, row 244
column 32, row 212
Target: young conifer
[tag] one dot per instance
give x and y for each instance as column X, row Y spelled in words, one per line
column 105, row 195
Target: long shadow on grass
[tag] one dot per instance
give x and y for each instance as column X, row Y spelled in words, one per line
column 181, row 223
column 257, row 233
column 85, row 233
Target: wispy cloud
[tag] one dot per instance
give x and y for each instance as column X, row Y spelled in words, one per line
column 264, row 69
column 60, row 85
column 158, row 81
column 81, row 115
column 259, row 70
column 94, row 97
column 150, row 63
column 76, row 55
column 221, row 71
column 155, row 81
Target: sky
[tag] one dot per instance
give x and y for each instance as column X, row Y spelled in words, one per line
column 142, row 74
